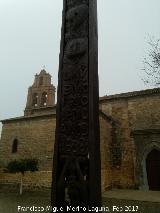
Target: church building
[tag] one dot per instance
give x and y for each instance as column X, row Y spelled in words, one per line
column 129, row 137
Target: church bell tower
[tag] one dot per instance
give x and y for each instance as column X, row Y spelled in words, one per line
column 41, row 94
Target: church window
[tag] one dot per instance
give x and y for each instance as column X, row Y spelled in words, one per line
column 35, row 99
column 15, row 146
column 44, row 99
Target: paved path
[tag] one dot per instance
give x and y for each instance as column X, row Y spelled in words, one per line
column 150, row 196
column 115, row 201
column 132, row 201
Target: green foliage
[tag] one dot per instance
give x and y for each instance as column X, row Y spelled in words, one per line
column 23, row 165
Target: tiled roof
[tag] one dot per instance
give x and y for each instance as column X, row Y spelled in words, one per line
column 131, row 94
column 28, row 117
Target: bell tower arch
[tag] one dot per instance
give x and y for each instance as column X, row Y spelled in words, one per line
column 41, row 94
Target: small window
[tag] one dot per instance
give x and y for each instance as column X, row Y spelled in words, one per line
column 35, row 99
column 15, row 146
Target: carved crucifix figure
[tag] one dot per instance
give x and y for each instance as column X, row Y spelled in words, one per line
column 76, row 166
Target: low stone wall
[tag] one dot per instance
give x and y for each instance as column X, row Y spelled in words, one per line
column 39, row 180
column 31, row 180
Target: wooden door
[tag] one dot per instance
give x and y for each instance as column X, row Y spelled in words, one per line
column 153, row 170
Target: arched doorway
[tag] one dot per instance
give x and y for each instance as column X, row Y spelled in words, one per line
column 153, row 170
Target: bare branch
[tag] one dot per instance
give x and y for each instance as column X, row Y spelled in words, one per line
column 151, row 63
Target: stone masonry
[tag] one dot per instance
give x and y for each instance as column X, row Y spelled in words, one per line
column 129, row 130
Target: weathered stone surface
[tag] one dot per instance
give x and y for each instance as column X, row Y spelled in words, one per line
column 31, row 181
column 35, row 140
column 136, row 117
column 41, row 94
column 76, row 164
column 133, row 112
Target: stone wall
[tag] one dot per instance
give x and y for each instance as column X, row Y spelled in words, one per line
column 122, row 174
column 105, row 138
column 35, row 137
column 121, row 116
column 35, row 140
column 132, row 112
column 31, row 180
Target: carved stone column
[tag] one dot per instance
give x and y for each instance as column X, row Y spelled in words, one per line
column 76, row 166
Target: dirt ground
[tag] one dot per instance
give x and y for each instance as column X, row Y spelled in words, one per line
column 14, row 203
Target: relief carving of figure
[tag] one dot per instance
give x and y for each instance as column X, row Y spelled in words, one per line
column 75, row 49
column 77, row 16
column 77, row 22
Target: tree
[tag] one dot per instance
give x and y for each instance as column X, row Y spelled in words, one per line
column 152, row 63
column 22, row 166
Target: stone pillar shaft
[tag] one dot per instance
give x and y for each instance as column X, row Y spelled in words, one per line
column 76, row 167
